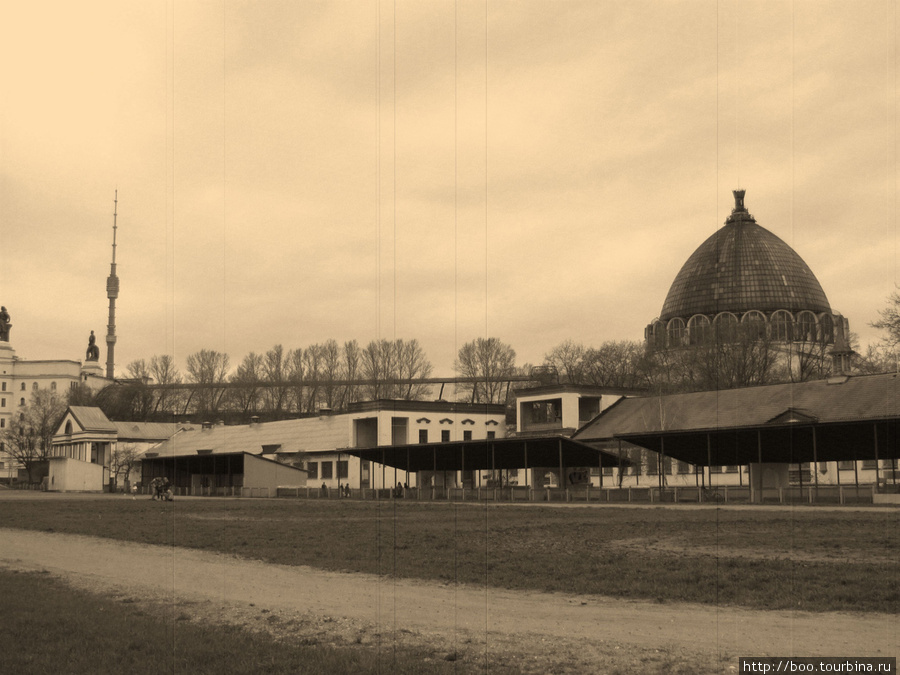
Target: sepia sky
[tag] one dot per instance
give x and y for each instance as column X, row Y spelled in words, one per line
column 534, row 170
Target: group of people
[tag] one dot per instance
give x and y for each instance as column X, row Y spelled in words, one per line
column 161, row 490
column 343, row 490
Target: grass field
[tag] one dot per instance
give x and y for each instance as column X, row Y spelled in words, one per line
column 50, row 628
column 817, row 560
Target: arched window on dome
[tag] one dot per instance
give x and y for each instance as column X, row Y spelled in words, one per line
column 658, row 334
column 826, row 326
column 726, row 325
column 754, row 324
column 675, row 329
column 806, row 327
column 699, row 329
column 782, row 325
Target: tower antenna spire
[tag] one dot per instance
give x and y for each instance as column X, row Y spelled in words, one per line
column 112, row 292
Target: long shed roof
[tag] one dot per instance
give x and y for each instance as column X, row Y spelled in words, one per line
column 838, row 418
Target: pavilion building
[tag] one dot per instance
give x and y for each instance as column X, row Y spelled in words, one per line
column 745, row 282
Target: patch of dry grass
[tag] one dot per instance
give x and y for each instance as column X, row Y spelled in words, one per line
column 800, row 558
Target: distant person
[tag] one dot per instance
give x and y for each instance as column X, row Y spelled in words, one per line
column 324, row 489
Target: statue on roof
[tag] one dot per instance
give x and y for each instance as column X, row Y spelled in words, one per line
column 5, row 325
column 93, row 351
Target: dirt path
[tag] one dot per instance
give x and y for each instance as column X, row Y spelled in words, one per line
column 362, row 607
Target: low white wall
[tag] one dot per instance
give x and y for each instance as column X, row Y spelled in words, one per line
column 263, row 473
column 73, row 475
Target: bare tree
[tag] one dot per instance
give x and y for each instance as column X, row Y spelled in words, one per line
column 275, row 374
column 312, row 365
column 296, row 375
column 383, row 362
column 165, row 373
column 330, row 371
column 352, row 367
column 492, row 362
column 27, row 438
column 890, row 320
column 613, row 364
column 248, row 378
column 125, row 459
column 209, row 369
column 877, row 359
column 412, row 364
column 568, row 358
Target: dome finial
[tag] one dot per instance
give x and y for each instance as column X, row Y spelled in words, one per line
column 738, row 201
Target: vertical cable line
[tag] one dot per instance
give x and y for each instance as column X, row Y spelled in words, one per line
column 486, row 548
column 456, row 290
column 892, row 220
column 378, row 542
column 394, row 288
column 718, row 168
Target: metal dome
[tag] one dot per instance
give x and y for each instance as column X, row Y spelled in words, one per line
column 743, row 267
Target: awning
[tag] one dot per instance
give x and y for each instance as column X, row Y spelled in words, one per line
column 498, row 453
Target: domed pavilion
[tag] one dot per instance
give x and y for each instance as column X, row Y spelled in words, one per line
column 744, row 280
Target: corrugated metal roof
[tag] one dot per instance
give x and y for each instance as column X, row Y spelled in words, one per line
column 302, row 435
column 91, row 418
column 147, row 431
column 843, row 399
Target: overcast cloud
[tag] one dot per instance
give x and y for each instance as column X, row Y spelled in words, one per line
column 290, row 172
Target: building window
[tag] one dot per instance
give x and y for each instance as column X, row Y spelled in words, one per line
column 2, row 423
column 699, row 330
column 327, row 469
column 467, row 435
column 53, row 386
column 423, row 435
column 4, row 386
column 806, row 327
column 491, row 435
column 21, row 401
column 312, row 469
column 782, row 326
column 2, row 402
column 845, row 466
column 869, row 464
column 34, row 386
column 23, row 386
column 343, row 469
column 445, row 435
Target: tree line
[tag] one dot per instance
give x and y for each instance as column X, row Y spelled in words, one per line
column 283, row 382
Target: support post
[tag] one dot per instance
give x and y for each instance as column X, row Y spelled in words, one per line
column 620, row 462
column 561, row 477
column 815, row 464
column 877, row 468
column 525, row 446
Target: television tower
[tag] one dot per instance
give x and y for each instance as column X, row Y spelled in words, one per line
column 112, row 292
